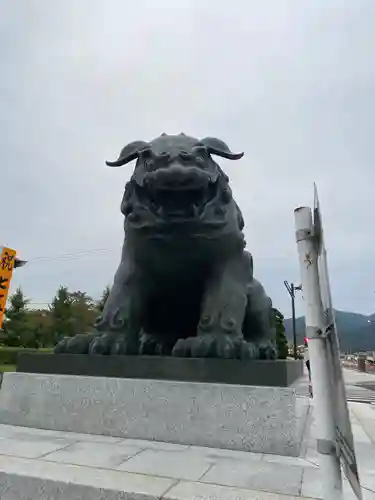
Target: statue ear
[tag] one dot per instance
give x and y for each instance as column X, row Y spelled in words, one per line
column 129, row 153
column 217, row 147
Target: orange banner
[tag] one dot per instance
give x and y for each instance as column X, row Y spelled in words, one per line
column 7, row 259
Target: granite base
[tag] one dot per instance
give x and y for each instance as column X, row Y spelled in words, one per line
column 280, row 373
column 248, row 418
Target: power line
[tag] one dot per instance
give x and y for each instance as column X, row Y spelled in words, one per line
column 68, row 256
column 73, row 255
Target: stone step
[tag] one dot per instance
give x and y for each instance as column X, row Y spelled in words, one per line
column 45, row 465
column 40, row 465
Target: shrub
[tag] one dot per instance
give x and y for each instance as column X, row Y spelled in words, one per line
column 9, row 355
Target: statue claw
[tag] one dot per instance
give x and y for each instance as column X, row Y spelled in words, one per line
column 215, row 346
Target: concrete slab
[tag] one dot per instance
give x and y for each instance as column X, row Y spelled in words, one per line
column 12, row 431
column 31, row 448
column 365, row 453
column 154, row 445
column 244, row 470
column 104, row 455
column 355, row 377
column 297, row 461
column 312, row 486
column 259, row 475
column 214, row 455
column 179, row 472
column 359, row 434
column 169, row 464
column 365, row 415
column 28, row 479
column 199, row 491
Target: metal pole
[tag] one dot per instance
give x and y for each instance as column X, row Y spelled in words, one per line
column 293, row 296
column 314, row 315
column 291, row 290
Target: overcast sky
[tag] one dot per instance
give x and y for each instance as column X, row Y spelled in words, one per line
column 290, row 83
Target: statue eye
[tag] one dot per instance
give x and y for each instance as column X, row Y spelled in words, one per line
column 149, row 163
column 147, row 157
column 164, row 156
column 200, row 153
column 145, row 153
column 185, row 156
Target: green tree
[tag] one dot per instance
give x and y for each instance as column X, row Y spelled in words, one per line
column 281, row 341
column 84, row 312
column 40, row 324
column 71, row 313
column 61, row 314
column 103, row 299
column 15, row 328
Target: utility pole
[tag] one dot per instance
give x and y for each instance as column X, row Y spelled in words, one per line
column 321, row 362
column 292, row 292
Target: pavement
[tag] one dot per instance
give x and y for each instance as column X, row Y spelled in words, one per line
column 54, row 465
column 354, row 390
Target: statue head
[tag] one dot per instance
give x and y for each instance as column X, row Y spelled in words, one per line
column 175, row 178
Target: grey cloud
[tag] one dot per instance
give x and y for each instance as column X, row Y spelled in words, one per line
column 290, row 83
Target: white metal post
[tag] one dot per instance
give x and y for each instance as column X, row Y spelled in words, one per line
column 314, row 317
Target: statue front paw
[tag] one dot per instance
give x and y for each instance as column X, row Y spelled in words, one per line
column 79, row 344
column 215, row 346
column 267, row 350
column 98, row 343
column 114, row 344
column 153, row 345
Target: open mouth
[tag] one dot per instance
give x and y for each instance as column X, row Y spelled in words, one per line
column 180, row 202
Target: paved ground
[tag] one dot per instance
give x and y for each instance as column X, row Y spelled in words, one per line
column 354, row 391
column 46, row 463
column 173, row 471
column 363, row 426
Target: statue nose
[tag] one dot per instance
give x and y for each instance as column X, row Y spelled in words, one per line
column 176, row 176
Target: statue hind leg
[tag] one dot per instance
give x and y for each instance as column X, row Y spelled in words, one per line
column 258, row 327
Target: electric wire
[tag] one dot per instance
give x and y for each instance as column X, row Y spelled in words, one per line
column 68, row 256
column 72, row 255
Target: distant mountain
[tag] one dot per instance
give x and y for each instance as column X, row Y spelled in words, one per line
column 356, row 331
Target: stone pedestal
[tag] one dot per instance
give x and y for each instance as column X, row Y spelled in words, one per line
column 257, row 419
column 280, row 373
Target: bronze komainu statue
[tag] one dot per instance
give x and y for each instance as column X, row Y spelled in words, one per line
column 185, row 284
